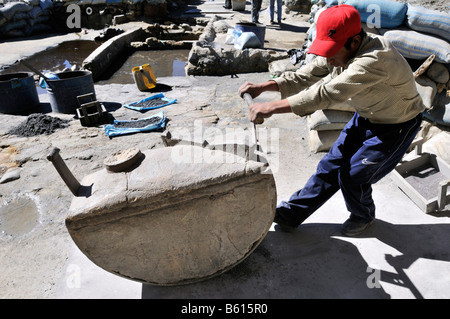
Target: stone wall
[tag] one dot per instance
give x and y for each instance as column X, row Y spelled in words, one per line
column 206, row 58
column 29, row 17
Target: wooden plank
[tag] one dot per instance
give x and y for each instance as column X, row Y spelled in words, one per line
column 442, row 198
column 410, row 191
column 406, row 166
column 424, row 66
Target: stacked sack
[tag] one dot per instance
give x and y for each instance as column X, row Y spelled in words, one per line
column 18, row 19
column 326, row 125
column 417, row 33
column 429, row 34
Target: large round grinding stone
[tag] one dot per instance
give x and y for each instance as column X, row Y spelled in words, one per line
column 183, row 215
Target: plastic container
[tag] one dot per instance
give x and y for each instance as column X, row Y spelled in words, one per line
column 258, row 29
column 238, row 5
column 144, row 77
column 18, row 93
column 63, row 92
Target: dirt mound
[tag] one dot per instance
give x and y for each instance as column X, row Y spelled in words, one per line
column 38, row 124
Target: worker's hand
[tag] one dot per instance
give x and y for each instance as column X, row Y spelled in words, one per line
column 259, row 110
column 250, row 88
column 265, row 110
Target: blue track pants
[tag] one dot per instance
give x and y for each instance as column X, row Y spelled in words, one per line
column 362, row 155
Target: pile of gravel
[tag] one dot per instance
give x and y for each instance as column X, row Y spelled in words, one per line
column 38, row 124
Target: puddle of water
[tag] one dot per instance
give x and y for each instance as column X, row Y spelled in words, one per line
column 18, row 216
column 164, row 63
column 54, row 59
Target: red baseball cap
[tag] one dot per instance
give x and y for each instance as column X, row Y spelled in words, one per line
column 334, row 26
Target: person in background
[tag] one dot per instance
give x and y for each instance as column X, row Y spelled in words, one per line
column 272, row 9
column 227, row 4
column 256, row 6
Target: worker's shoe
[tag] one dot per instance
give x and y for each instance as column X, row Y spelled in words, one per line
column 353, row 227
column 283, row 225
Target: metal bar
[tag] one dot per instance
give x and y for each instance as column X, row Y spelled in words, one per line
column 248, row 98
column 64, row 171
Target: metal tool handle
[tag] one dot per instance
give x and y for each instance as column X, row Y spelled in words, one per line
column 248, row 98
column 64, row 171
column 34, row 70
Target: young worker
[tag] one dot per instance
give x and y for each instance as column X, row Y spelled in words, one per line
column 367, row 71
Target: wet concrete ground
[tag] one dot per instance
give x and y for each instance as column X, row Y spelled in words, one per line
column 404, row 255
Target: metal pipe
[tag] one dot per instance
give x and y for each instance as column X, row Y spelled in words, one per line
column 64, row 171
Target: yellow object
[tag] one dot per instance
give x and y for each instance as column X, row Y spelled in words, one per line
column 144, row 77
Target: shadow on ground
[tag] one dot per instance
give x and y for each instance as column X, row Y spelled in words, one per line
column 317, row 262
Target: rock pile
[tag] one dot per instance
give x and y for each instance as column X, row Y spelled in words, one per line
column 207, row 59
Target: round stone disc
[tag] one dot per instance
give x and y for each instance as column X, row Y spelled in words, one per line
column 122, row 160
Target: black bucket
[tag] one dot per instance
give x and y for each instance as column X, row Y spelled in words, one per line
column 63, row 92
column 18, row 93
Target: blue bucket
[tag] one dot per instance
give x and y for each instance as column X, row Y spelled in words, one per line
column 258, row 29
column 18, row 93
column 64, row 91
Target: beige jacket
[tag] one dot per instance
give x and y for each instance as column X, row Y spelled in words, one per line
column 377, row 82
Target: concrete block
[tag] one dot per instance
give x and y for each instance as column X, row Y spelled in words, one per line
column 104, row 56
column 183, row 215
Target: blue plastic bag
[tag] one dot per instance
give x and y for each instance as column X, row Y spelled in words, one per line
column 137, row 107
column 48, row 75
column 115, row 129
column 247, row 40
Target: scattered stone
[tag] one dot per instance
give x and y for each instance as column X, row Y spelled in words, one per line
column 438, row 72
column 10, row 175
column 120, row 19
column 186, row 26
column 221, row 26
column 152, row 41
column 278, row 67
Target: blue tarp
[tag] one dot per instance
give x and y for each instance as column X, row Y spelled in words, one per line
column 135, row 105
column 48, row 75
column 115, row 130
